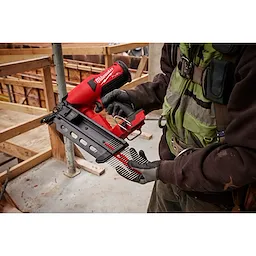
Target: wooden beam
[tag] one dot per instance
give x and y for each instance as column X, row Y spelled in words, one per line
column 141, row 66
column 89, row 167
column 21, row 82
column 31, row 84
column 16, row 150
column 20, row 128
column 23, row 108
column 83, row 67
column 48, row 89
column 108, row 60
column 122, row 47
column 26, row 165
column 89, row 50
column 11, row 58
column 23, row 65
column 58, row 149
column 143, row 135
column 135, row 82
column 7, row 205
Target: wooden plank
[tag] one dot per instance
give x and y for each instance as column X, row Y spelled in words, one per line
column 58, row 149
column 11, row 58
column 89, row 167
column 31, row 84
column 21, row 82
column 15, row 150
column 48, row 89
column 143, row 135
column 20, row 128
column 7, row 205
column 5, row 158
column 108, row 60
column 135, row 82
column 83, row 68
column 23, row 108
column 89, row 50
column 122, row 47
column 26, row 165
column 23, row 65
column 74, row 75
column 141, row 66
column 4, row 98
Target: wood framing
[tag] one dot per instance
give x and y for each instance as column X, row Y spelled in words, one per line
column 23, row 65
column 21, row 82
column 23, row 108
column 135, row 82
column 141, row 66
column 108, row 60
column 58, row 149
column 89, row 50
column 20, row 128
column 78, row 50
column 26, row 165
column 123, row 47
column 89, row 167
column 83, row 67
column 17, row 151
column 143, row 135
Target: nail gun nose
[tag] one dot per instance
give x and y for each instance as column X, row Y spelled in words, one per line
column 48, row 119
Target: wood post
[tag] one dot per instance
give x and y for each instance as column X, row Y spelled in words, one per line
column 58, row 150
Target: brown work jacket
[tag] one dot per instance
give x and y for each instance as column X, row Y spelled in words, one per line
column 211, row 173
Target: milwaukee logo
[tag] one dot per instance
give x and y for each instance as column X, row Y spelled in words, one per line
column 107, row 74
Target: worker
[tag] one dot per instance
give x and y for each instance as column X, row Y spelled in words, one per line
column 208, row 148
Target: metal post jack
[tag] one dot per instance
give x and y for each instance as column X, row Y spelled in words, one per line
column 72, row 171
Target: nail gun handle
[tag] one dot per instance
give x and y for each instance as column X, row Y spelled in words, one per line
column 129, row 124
column 122, row 109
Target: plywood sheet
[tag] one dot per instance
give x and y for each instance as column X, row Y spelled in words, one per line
column 36, row 139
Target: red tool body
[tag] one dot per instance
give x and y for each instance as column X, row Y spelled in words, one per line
column 85, row 96
column 76, row 119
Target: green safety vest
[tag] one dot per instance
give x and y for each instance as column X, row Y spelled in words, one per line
column 190, row 117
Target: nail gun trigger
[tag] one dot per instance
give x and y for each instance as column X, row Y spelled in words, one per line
column 125, row 121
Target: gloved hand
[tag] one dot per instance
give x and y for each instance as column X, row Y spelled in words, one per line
column 149, row 170
column 117, row 102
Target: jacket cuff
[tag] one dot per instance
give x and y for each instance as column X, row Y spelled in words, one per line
column 133, row 95
column 166, row 171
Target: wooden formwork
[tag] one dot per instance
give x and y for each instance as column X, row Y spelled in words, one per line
column 108, row 51
column 43, row 63
column 15, row 75
column 17, row 89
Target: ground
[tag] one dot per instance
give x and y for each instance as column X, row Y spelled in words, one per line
column 45, row 189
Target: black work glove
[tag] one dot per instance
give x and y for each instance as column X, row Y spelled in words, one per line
column 117, row 102
column 149, row 170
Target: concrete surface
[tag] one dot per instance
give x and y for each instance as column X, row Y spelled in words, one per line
column 45, row 189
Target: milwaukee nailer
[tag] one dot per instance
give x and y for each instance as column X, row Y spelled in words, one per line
column 76, row 119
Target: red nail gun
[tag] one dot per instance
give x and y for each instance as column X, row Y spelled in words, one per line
column 76, row 119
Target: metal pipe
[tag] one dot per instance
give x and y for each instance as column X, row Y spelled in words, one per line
column 62, row 90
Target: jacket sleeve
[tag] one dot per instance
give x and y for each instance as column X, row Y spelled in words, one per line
column 221, row 167
column 150, row 95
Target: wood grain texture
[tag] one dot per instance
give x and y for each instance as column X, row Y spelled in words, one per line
column 23, row 65
column 26, row 165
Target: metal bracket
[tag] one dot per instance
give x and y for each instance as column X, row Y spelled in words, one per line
column 72, row 175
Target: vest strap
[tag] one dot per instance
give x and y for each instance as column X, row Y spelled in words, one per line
column 188, row 70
